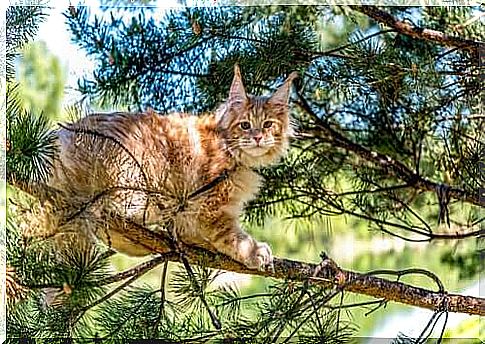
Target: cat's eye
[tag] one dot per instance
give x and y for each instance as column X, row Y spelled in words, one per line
column 267, row 124
column 245, row 125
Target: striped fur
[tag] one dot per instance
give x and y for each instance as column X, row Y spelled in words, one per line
column 143, row 166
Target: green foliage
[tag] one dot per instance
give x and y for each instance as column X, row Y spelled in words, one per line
column 32, row 142
column 142, row 62
column 61, row 283
column 42, row 80
column 470, row 263
column 295, row 309
column 137, row 313
column 467, row 21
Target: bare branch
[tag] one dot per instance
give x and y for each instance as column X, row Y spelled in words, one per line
column 395, row 167
column 408, row 29
column 135, row 271
column 328, row 276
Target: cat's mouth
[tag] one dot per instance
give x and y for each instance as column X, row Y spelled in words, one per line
column 257, row 151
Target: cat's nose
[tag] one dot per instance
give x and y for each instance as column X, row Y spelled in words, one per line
column 257, row 138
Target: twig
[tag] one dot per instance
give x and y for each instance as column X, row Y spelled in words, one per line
column 136, row 271
column 163, row 279
column 400, row 273
column 105, row 297
column 397, row 168
column 356, row 304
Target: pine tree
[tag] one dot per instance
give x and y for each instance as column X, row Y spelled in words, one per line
column 389, row 132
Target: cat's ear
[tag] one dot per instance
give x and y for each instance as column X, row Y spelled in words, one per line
column 237, row 93
column 282, row 94
column 237, row 98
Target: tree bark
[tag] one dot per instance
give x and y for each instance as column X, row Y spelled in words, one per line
column 327, row 275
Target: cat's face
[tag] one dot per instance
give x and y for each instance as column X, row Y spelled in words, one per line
column 256, row 129
column 258, row 126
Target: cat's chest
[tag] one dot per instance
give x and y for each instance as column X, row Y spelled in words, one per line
column 243, row 185
column 227, row 197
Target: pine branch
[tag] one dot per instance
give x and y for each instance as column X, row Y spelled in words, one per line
column 418, row 32
column 332, row 52
column 325, row 275
column 398, row 169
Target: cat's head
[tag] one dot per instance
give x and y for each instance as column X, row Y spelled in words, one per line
column 256, row 130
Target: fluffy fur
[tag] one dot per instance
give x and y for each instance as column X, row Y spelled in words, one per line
column 143, row 167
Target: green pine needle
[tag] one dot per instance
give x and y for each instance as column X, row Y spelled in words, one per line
column 32, row 146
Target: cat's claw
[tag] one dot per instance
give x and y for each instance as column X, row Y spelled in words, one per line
column 262, row 258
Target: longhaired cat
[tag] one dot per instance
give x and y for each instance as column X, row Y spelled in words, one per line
column 191, row 173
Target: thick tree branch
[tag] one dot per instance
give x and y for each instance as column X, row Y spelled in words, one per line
column 328, row 276
column 418, row 32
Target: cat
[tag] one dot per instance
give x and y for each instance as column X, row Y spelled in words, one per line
column 191, row 173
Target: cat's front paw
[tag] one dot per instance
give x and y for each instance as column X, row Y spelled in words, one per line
column 261, row 258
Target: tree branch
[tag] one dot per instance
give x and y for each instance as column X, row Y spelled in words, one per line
column 398, row 169
column 416, row 31
column 328, row 276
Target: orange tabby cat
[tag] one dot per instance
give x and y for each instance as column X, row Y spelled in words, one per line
column 152, row 169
